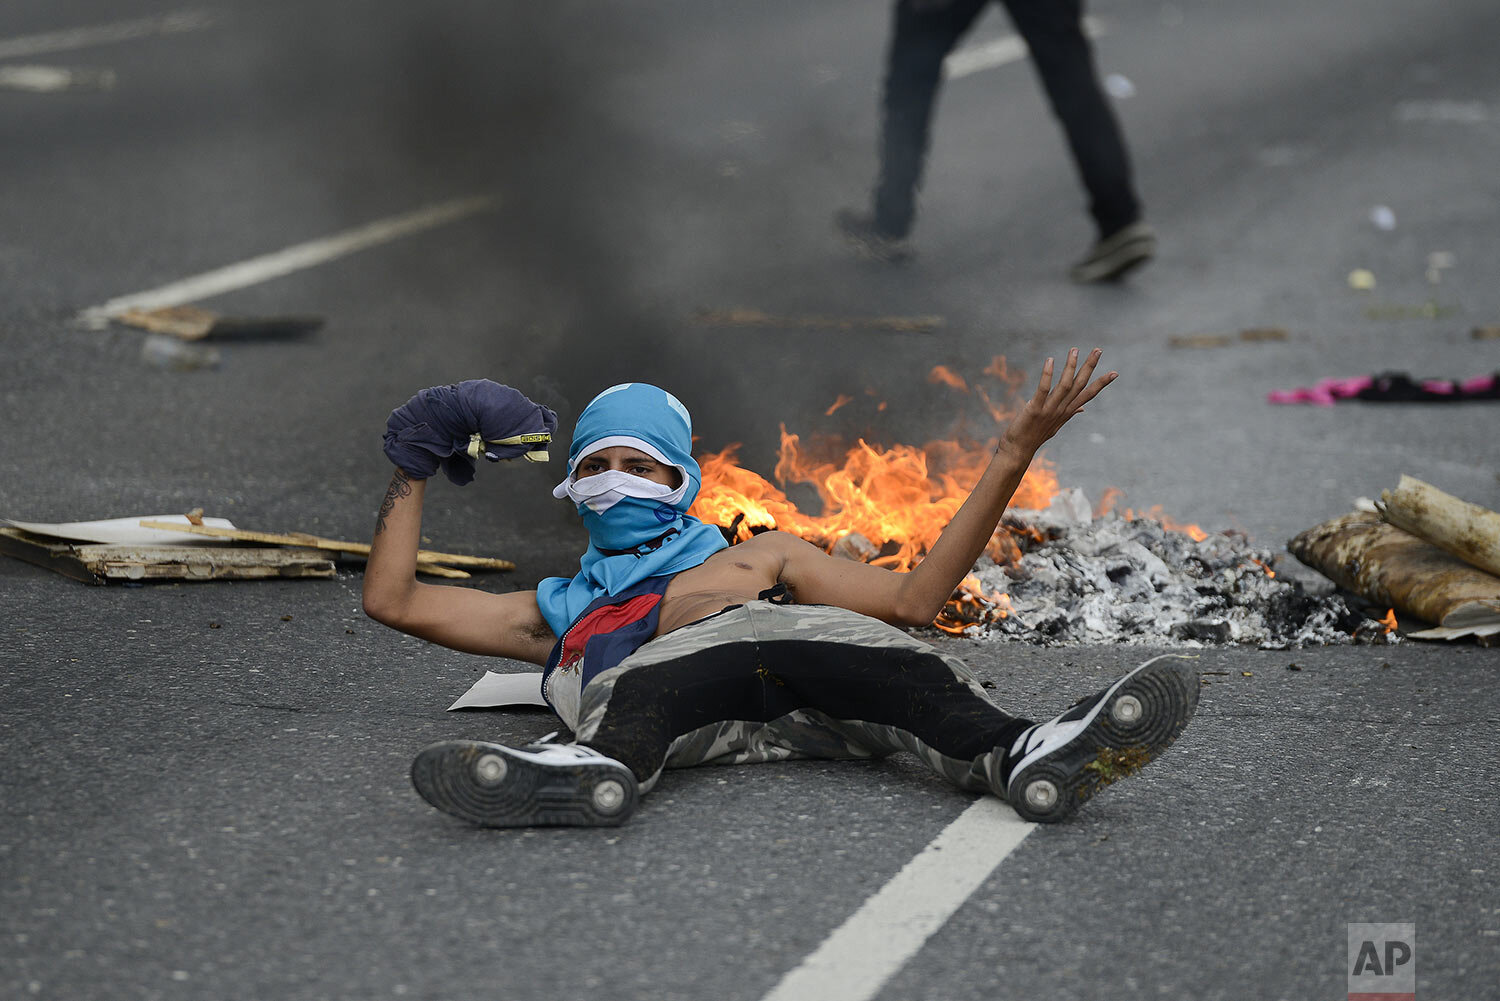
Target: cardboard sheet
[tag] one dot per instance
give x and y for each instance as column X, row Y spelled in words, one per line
column 502, row 690
column 125, row 531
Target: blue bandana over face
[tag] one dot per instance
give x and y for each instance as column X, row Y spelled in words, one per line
column 635, row 535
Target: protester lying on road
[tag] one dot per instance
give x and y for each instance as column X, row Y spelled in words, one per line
column 669, row 648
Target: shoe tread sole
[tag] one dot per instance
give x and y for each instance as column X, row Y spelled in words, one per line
column 1106, row 750
column 530, row 794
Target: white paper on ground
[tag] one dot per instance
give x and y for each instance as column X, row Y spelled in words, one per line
column 127, row 531
column 502, row 690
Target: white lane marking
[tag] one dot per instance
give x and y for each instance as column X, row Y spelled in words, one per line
column 51, row 79
column 282, row 262
column 103, row 34
column 855, row 962
column 1002, row 50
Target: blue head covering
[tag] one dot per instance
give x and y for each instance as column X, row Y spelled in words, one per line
column 642, row 529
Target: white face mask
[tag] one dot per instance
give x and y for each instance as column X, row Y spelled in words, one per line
column 602, row 491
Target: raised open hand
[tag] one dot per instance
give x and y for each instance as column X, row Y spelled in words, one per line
column 1050, row 407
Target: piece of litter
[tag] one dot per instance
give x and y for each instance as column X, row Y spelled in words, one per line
column 126, row 531
column 494, row 689
column 757, row 318
column 1361, row 280
column 1199, row 341
column 174, row 355
column 1382, row 217
column 1437, row 262
column 428, row 562
column 1118, row 86
column 1392, row 387
column 1490, row 333
column 192, row 323
column 1263, row 334
column 95, row 563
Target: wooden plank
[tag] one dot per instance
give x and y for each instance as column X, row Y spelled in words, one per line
column 424, row 556
column 47, row 553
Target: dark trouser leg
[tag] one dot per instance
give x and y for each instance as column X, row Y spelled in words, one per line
column 920, row 41
column 879, row 699
column 1064, row 60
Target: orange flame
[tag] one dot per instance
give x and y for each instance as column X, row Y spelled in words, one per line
column 999, row 370
column 900, row 498
column 945, row 375
column 1389, row 622
column 894, row 501
column 1107, row 502
column 1154, row 513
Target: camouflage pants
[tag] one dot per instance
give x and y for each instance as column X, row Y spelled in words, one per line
column 770, row 682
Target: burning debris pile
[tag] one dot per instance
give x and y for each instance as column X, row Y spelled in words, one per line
column 1115, row 578
column 1056, row 572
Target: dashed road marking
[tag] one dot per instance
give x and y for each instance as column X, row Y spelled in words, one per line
column 1002, row 50
column 69, row 39
column 283, row 262
column 855, row 962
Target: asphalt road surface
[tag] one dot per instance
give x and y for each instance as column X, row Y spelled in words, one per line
column 204, row 790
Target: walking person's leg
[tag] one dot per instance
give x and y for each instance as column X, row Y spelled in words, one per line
column 1064, row 61
column 923, row 32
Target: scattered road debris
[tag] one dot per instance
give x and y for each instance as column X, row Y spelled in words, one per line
column 1490, row 333
column 192, row 547
column 1388, row 565
column 1391, row 387
column 124, row 531
column 101, row 563
column 495, row 690
column 756, row 318
column 1264, row 334
column 192, row 323
column 428, row 561
column 1382, row 217
column 54, row 79
column 1200, row 341
column 1437, row 262
column 1252, row 335
column 174, row 355
column 1429, row 310
column 1118, row 579
column 1362, row 280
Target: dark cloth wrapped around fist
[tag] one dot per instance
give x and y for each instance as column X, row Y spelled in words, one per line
column 434, row 428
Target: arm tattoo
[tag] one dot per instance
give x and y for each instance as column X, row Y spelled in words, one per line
column 400, row 487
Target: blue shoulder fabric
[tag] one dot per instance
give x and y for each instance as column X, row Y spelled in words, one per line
column 674, row 541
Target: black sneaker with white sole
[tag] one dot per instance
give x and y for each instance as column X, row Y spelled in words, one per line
column 1056, row 766
column 538, row 785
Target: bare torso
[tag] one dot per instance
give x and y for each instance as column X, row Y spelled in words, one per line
column 730, row 577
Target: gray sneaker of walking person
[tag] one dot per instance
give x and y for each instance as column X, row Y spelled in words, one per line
column 869, row 244
column 1115, row 256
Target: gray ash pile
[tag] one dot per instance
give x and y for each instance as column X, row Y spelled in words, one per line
column 1116, row 579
